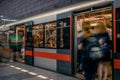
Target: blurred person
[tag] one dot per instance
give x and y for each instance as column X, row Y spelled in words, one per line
column 1, row 52
column 15, row 43
column 105, row 61
column 92, row 53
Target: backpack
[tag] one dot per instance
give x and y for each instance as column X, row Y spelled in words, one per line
column 95, row 52
column 93, row 49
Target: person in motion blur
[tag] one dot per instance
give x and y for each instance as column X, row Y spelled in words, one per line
column 15, row 43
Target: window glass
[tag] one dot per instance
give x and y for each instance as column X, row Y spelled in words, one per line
column 118, row 13
column 3, row 39
column 38, row 35
column 63, row 33
column 50, row 35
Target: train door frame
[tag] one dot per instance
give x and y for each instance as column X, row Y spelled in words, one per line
column 18, row 28
column 75, row 34
column 75, row 42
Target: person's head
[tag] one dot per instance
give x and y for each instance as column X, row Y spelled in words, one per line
column 86, row 26
column 97, row 27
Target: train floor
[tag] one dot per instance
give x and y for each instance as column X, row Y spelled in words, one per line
column 20, row 71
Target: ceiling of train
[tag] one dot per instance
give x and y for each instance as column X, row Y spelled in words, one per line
column 11, row 10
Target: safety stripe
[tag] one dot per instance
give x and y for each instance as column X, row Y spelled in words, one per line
column 7, row 49
column 117, row 64
column 28, row 52
column 56, row 56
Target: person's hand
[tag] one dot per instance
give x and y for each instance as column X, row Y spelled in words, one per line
column 80, row 46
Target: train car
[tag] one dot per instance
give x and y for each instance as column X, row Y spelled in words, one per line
column 51, row 39
column 5, row 43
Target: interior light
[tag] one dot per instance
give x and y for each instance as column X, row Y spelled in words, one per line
column 8, row 20
column 93, row 24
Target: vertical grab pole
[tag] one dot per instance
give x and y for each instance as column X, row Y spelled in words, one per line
column 114, row 27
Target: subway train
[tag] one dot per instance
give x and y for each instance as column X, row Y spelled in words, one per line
column 51, row 38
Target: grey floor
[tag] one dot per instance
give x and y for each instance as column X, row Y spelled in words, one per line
column 19, row 71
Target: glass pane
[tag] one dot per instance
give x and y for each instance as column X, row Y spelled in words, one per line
column 118, row 35
column 63, row 33
column 29, row 38
column 118, row 13
column 3, row 39
column 38, row 35
column 50, row 35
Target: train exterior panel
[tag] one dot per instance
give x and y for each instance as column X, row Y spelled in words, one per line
column 61, row 57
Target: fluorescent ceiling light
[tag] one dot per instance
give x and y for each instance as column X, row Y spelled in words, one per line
column 8, row 20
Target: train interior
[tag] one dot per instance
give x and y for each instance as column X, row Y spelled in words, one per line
column 98, row 15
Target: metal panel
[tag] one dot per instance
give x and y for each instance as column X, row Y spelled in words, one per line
column 45, row 63
column 116, row 74
column 117, row 3
column 28, row 60
column 62, row 66
column 45, row 50
column 45, row 19
column 64, row 51
column 64, row 15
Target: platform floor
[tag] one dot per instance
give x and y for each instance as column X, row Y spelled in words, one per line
column 19, row 71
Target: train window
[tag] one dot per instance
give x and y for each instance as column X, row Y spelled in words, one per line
column 38, row 35
column 63, row 33
column 29, row 39
column 50, row 35
column 118, row 35
column 3, row 38
column 118, row 13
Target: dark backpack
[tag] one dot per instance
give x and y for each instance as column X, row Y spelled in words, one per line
column 93, row 49
column 95, row 52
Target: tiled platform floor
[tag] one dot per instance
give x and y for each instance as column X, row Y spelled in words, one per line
column 19, row 71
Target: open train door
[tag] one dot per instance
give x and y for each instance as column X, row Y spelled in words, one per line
column 116, row 46
column 94, row 14
column 25, row 31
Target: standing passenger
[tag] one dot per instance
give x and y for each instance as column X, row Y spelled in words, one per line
column 89, row 43
column 105, row 61
column 15, row 45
